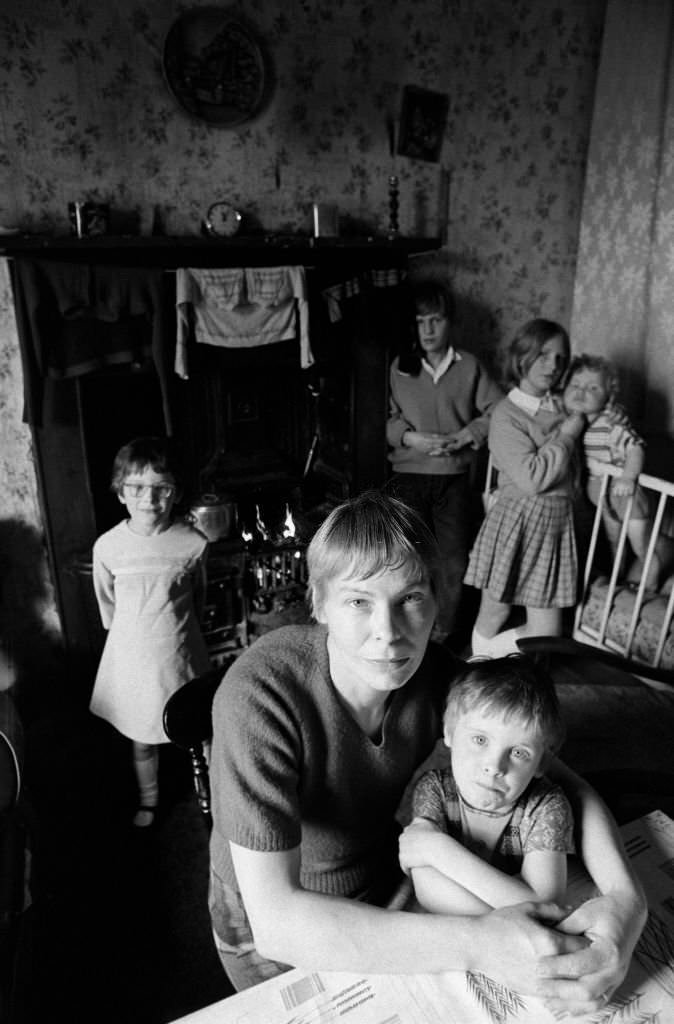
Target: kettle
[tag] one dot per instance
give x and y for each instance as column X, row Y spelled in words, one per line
column 213, row 515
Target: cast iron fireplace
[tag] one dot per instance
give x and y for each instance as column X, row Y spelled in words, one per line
column 251, row 425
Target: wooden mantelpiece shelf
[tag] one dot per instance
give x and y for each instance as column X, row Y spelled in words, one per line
column 195, row 251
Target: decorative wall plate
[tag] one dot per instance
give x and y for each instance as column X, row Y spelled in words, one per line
column 215, row 66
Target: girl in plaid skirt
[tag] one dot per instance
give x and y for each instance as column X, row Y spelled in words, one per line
column 525, row 552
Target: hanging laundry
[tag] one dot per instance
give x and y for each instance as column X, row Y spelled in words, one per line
column 336, row 294
column 241, row 308
column 75, row 318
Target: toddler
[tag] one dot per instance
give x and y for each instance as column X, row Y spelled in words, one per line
column 491, row 830
column 592, row 386
column 149, row 580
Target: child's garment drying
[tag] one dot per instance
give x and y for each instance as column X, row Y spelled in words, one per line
column 241, row 308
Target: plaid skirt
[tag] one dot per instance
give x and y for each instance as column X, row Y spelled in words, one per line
column 525, row 552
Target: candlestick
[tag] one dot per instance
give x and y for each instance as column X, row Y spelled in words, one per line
column 393, row 191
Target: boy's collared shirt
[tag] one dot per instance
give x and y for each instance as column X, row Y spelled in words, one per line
column 450, row 356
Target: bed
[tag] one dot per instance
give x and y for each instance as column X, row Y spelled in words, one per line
column 621, row 610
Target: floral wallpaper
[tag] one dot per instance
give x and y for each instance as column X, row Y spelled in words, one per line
column 28, row 620
column 624, row 302
column 85, row 113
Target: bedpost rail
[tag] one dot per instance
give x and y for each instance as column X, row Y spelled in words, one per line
column 659, row 541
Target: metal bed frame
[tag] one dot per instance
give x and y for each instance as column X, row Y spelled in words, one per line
column 662, row 491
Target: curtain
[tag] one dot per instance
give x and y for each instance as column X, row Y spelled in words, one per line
column 623, row 304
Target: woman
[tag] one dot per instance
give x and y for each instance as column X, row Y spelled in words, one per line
column 317, row 730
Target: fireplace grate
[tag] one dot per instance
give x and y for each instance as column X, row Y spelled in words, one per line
column 251, row 592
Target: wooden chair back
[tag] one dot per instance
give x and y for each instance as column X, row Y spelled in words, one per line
column 188, row 724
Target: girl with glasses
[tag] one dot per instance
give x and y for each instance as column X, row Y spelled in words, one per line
column 149, row 579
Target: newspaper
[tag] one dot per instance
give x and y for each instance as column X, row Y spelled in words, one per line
column 466, row 997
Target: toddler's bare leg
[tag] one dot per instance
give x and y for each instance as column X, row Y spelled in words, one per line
column 612, row 529
column 639, row 535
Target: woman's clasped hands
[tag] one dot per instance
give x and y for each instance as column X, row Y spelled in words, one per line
column 572, row 962
column 580, row 981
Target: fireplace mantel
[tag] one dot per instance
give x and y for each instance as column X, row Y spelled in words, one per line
column 97, row 413
column 170, row 252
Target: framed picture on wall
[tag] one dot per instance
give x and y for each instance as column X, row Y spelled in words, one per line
column 423, row 118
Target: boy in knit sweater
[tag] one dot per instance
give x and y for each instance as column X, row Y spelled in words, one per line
column 441, row 399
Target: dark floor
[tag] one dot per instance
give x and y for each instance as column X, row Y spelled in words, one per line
column 619, row 736
column 119, row 929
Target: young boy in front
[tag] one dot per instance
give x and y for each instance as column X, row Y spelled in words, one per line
column 491, row 830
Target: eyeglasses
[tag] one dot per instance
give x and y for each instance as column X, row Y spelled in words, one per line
column 161, row 491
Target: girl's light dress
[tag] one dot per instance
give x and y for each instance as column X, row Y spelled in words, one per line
column 145, row 588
